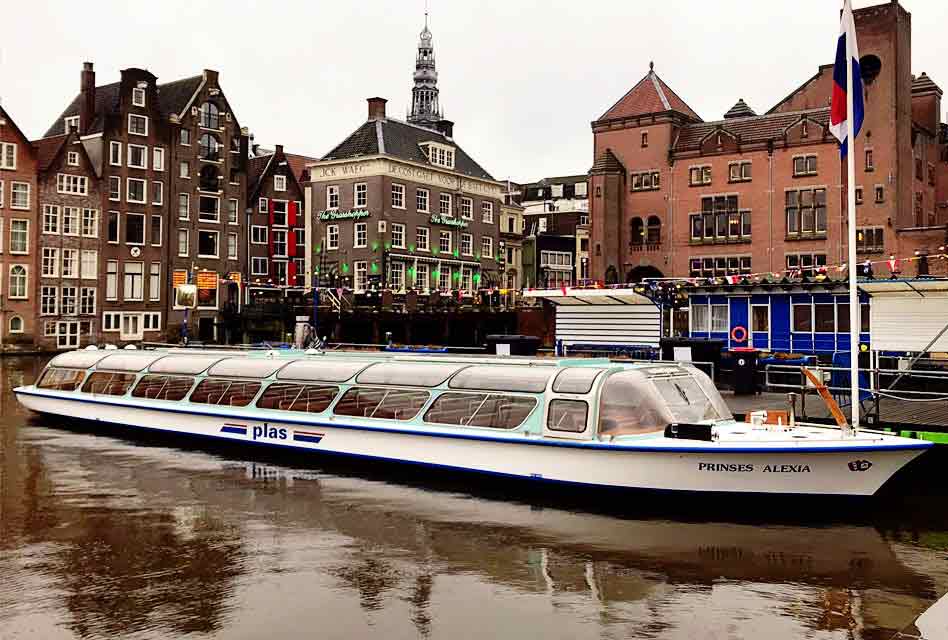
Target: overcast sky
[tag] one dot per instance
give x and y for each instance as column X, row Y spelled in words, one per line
column 521, row 79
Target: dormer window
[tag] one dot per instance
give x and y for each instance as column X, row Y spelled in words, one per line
column 138, row 97
column 72, row 121
column 439, row 154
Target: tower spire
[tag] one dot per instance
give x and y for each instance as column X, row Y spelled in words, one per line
column 424, row 94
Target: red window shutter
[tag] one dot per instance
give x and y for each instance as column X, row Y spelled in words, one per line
column 291, row 273
column 291, row 243
column 291, row 216
column 270, row 232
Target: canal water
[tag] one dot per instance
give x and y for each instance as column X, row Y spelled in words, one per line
column 105, row 536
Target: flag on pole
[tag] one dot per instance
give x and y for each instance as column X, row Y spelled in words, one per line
column 847, row 53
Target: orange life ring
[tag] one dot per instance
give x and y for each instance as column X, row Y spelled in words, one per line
column 739, row 334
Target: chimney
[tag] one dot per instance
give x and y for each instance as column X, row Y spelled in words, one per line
column 377, row 108
column 446, row 127
column 279, row 151
column 86, row 97
column 210, row 76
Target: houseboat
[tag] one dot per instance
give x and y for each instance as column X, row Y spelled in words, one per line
column 592, row 422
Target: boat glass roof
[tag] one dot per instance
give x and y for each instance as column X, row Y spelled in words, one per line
column 77, row 359
column 575, row 380
column 321, row 370
column 246, row 368
column 503, row 378
column 128, row 361
column 184, row 365
column 414, row 374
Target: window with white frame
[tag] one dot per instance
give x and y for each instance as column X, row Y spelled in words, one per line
column 258, row 234
column 360, row 237
column 719, row 323
column 700, row 318
column 421, row 200
column 19, row 284
column 90, row 223
column 279, row 242
column 113, row 228
column 332, row 196
column 280, row 208
column 71, row 221
column 111, row 321
column 158, row 159
column 20, row 195
column 138, row 96
column 467, row 244
column 50, row 218
column 184, row 206
column 421, row 276
column 135, row 228
column 115, row 188
column 263, row 206
column 16, row 324
column 487, row 212
column 396, row 276
column 258, row 266
column 19, row 236
column 209, row 209
column 154, row 235
column 68, row 300
column 421, row 239
column 232, row 246
column 137, row 125
column 398, row 196
column 135, row 190
column 111, row 280
column 70, row 123
column 8, row 155
column 89, row 264
column 49, row 262
column 49, row 300
column 208, row 243
column 360, row 194
column 154, row 281
column 467, row 208
column 444, row 205
column 300, row 234
column 183, row 242
column 72, row 158
column 279, row 183
column 87, row 301
column 487, row 247
column 70, row 263
column 115, row 153
column 1, row 194
column 72, row 185
column 361, row 275
column 184, row 169
column 137, row 156
column 332, row 237
column 157, row 192
column 444, row 242
column 444, row 278
column 398, row 236
column 556, row 259
column 232, row 211
column 151, row 321
column 134, row 281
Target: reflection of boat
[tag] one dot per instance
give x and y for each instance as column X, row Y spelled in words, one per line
column 585, row 422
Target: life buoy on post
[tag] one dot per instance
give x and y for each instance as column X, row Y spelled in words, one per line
column 738, row 334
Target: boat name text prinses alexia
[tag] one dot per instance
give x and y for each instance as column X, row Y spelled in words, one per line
column 749, row 468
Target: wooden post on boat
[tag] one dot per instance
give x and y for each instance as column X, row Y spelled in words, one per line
column 827, row 397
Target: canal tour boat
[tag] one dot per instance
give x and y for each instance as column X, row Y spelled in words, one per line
column 593, row 422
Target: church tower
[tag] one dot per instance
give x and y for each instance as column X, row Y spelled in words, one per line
column 424, row 95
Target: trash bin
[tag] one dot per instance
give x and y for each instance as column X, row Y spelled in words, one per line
column 695, row 350
column 744, row 364
column 512, row 345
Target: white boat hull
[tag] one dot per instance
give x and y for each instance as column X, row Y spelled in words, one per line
column 831, row 468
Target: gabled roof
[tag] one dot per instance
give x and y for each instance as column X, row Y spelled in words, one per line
column 401, row 140
column 259, row 167
column 607, row 162
column 10, row 122
column 748, row 129
column 650, row 96
column 298, row 163
column 256, row 167
column 172, row 98
column 47, row 149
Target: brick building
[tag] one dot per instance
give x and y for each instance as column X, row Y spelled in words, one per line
column 68, row 283
column 18, row 206
column 674, row 195
column 155, row 149
column 556, row 214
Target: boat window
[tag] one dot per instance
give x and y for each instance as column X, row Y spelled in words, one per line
column 162, row 387
column 575, row 380
column 297, row 397
column 108, row 383
column 567, row 415
column 391, row 404
column 503, row 378
column 246, row 368
column 231, row 393
column 629, row 404
column 128, row 361
column 321, row 370
column 686, row 399
column 184, row 365
column 416, row 374
column 61, row 379
column 78, row 359
column 480, row 410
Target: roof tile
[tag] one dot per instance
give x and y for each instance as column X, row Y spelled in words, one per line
column 650, row 95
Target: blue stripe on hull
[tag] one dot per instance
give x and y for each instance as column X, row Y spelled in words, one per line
column 511, row 441
column 304, row 438
column 230, row 428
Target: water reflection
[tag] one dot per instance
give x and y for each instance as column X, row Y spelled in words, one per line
column 102, row 536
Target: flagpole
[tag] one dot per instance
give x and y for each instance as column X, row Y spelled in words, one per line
column 854, row 320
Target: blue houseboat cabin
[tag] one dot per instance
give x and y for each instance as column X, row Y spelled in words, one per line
column 804, row 318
